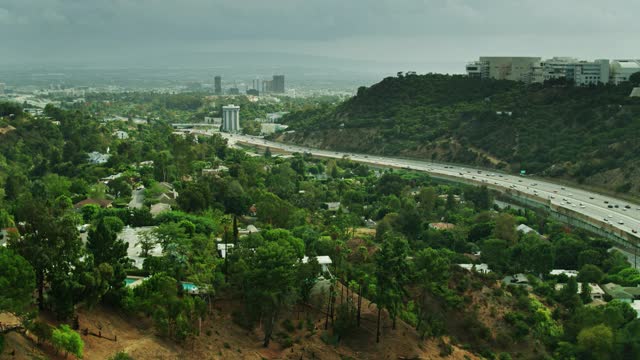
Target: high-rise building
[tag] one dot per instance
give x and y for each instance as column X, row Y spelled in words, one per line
column 278, row 84
column 267, row 86
column 231, row 118
column 218, row 85
column 256, row 84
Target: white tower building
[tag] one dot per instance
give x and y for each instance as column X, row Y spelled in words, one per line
column 231, row 118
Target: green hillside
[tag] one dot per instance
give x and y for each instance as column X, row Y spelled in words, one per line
column 590, row 135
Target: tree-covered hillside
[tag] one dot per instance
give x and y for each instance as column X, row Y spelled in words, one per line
column 586, row 134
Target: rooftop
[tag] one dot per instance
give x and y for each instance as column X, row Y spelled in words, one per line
column 322, row 260
column 441, row 226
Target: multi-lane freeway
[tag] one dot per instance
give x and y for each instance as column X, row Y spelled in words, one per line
column 618, row 214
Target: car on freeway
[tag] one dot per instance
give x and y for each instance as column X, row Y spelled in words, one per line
column 591, row 197
column 634, row 231
column 605, row 219
column 616, row 206
column 610, row 206
column 620, row 222
column 606, row 202
column 627, row 206
column 562, row 188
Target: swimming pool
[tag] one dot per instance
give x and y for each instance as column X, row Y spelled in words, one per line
column 189, row 287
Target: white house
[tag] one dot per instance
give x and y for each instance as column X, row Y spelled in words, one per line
column 596, row 291
column 323, row 260
column 480, row 268
column 224, row 248
column 121, row 135
column 98, row 158
column 568, row 273
column 525, row 229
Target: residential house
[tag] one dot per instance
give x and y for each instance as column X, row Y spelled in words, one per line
column 568, row 273
column 525, row 229
column 215, row 171
column 596, row 291
column 248, row 231
column 441, row 226
column 370, row 224
column 106, row 179
column 103, row 203
column 168, row 195
column 332, row 206
column 98, row 158
column 324, row 261
column 158, row 208
column 479, row 268
column 121, row 135
column 223, row 249
column 622, row 293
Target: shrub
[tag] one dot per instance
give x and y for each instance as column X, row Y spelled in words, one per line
column 121, row 355
column 285, row 342
column 287, row 324
column 63, row 338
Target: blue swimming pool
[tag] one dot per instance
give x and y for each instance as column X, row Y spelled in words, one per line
column 187, row 286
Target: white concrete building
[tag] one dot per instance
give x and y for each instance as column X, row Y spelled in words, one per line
column 533, row 70
column 516, row 68
column 582, row 73
column 231, row 118
column 621, row 70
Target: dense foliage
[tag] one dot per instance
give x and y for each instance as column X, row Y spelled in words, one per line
column 549, row 129
column 394, row 238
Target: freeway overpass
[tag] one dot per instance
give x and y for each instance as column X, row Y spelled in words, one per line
column 608, row 214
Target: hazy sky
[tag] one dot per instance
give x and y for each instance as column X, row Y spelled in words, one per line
column 430, row 33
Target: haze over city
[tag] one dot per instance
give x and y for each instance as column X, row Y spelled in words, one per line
column 379, row 36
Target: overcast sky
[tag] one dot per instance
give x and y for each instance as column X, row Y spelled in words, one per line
column 430, row 33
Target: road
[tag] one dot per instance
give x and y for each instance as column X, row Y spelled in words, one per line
column 619, row 214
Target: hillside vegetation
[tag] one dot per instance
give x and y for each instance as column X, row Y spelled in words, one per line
column 589, row 135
